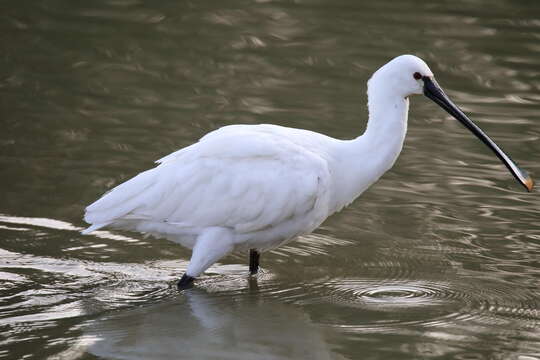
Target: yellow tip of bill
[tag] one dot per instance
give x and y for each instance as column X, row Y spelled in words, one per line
column 529, row 183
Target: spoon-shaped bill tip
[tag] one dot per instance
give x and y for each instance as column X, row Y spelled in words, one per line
column 527, row 181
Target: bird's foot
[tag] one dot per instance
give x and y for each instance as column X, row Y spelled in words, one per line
column 185, row 282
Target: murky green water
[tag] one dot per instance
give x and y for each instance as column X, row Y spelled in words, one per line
column 440, row 259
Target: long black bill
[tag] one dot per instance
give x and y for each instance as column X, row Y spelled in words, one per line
column 433, row 91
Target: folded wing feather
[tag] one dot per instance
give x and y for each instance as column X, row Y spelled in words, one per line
column 247, row 183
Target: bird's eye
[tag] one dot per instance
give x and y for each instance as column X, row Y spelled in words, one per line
column 417, row 75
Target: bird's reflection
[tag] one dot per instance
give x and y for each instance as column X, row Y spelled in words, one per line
column 202, row 325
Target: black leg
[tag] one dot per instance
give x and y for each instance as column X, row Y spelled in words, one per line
column 185, row 282
column 253, row 261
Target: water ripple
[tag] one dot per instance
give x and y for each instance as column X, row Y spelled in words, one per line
column 427, row 303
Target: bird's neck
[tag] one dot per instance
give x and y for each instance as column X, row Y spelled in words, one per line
column 370, row 155
column 387, row 124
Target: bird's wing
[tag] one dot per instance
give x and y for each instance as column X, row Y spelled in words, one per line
column 247, row 183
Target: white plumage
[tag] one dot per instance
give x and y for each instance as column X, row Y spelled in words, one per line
column 257, row 186
column 247, row 179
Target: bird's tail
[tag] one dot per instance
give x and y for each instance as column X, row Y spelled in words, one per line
column 94, row 227
column 118, row 203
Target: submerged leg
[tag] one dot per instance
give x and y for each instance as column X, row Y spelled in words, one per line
column 254, row 256
column 211, row 245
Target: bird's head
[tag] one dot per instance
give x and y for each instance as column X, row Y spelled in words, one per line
column 407, row 75
column 403, row 75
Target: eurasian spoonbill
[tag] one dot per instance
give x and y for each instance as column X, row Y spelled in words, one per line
column 255, row 187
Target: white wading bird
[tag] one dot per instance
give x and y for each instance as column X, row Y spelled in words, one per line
column 255, row 187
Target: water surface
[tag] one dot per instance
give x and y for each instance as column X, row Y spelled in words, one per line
column 438, row 260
